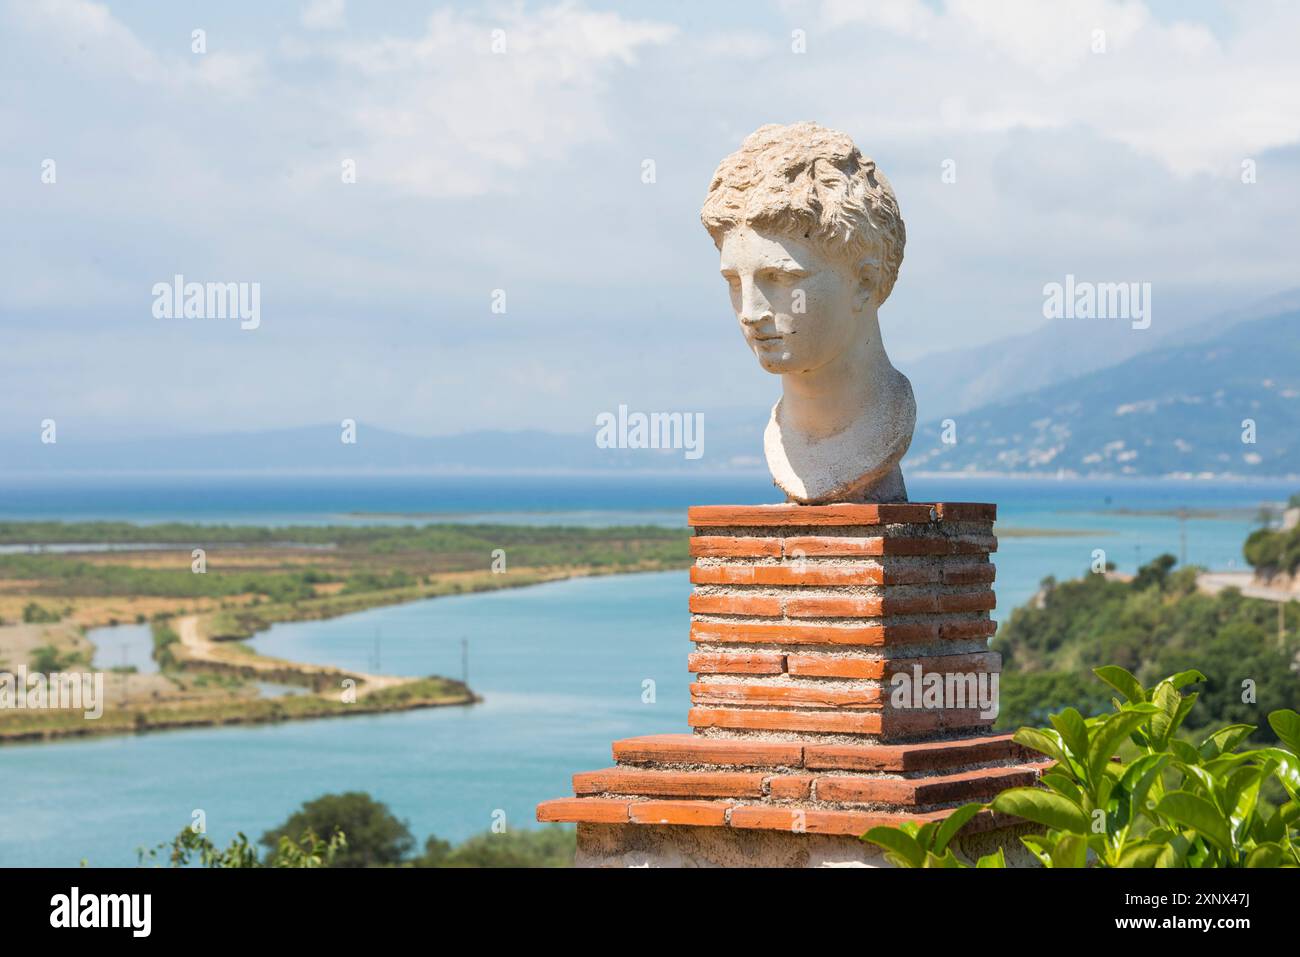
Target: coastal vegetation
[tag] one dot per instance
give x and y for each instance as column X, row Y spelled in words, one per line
column 1156, row 623
column 1133, row 788
column 207, row 701
column 1273, row 551
column 363, row 832
column 183, row 567
column 206, row 589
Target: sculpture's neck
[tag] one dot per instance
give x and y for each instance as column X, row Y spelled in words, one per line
column 827, row 400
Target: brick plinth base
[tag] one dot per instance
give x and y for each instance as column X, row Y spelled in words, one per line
column 801, row 618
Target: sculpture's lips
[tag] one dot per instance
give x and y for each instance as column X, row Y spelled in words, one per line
column 766, row 338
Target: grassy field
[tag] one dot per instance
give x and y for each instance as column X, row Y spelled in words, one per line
column 247, row 578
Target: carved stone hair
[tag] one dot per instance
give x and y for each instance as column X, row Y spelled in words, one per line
column 808, row 181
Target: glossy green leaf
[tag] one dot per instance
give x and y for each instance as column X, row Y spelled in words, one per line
column 1225, row 739
column 1042, row 807
column 1074, row 733
column 895, row 840
column 1108, row 737
column 1286, row 725
column 1265, row 855
column 1044, row 742
column 1185, row 678
column 953, row 823
column 1141, row 855
column 1070, row 851
column 1197, row 813
column 1121, row 681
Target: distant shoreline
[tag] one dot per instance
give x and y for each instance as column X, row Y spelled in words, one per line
column 676, row 475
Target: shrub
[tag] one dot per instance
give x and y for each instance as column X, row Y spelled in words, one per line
column 374, row 836
column 34, row 614
column 1176, row 804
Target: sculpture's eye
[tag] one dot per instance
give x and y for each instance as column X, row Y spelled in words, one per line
column 784, row 276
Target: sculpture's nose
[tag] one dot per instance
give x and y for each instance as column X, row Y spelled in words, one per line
column 754, row 306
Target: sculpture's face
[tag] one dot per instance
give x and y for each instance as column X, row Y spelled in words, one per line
column 798, row 308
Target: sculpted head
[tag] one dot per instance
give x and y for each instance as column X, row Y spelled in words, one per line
column 810, row 239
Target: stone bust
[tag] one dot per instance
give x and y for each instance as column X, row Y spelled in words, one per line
column 811, row 240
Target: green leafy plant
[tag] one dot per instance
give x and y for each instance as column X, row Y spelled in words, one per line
column 926, row 845
column 1173, row 804
column 193, row 847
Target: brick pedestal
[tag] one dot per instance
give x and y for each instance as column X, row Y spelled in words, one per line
column 801, row 618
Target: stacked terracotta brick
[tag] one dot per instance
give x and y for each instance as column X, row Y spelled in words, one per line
column 801, row 616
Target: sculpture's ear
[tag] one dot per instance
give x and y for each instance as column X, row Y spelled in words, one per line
column 868, row 282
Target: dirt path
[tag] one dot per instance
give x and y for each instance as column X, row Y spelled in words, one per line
column 1214, row 582
column 230, row 657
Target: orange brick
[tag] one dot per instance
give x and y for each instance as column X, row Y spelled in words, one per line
column 740, row 663
column 978, row 662
column 855, row 823
column 920, row 756
column 958, row 630
column 918, row 575
column 692, row 813
column 833, row 607
column 823, row 721
column 976, row 601
column 763, row 605
column 738, row 516
column 586, row 810
column 792, row 696
column 623, row 780
column 898, row 723
column 812, row 545
column 859, row 607
column 727, row 546
column 822, row 666
column 942, row 789
column 966, row 511
column 868, row 635
column 789, row 787
column 797, row 820
column 695, row 749
column 918, row 546
column 970, row 574
column 787, row 575
column 974, row 545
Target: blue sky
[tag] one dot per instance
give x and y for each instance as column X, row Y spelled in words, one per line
column 522, row 171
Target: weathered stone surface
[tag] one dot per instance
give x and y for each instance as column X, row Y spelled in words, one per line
column 811, row 239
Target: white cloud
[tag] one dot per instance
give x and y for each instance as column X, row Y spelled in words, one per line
column 444, row 114
column 1169, row 90
column 94, row 42
column 478, row 170
column 323, row 15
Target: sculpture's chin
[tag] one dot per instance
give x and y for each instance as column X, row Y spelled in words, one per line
column 777, row 365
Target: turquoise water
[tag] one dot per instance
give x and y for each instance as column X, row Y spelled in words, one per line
column 124, row 645
column 562, row 667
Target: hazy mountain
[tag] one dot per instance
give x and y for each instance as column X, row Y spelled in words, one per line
column 1173, row 407
column 953, row 381
column 731, row 440
column 1172, row 410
